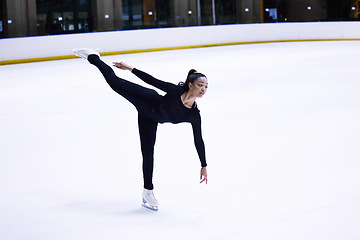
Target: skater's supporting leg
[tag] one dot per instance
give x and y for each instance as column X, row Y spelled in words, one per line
column 147, row 130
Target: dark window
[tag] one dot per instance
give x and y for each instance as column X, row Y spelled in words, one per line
column 63, row 16
column 163, row 16
column 132, row 14
column 225, row 11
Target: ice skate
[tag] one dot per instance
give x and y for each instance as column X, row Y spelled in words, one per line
column 149, row 200
column 85, row 52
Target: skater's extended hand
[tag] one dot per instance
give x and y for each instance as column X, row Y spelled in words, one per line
column 203, row 175
column 122, row 66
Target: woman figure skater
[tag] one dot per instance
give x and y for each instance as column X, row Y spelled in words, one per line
column 178, row 105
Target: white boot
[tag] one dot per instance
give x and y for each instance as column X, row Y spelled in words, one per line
column 149, row 200
column 85, row 52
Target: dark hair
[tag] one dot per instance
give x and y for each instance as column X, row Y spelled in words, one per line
column 191, row 77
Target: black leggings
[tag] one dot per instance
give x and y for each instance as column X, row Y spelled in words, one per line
column 144, row 100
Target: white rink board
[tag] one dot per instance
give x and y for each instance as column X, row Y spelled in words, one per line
column 62, row 45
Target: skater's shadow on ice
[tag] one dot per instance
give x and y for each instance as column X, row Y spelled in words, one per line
column 115, row 208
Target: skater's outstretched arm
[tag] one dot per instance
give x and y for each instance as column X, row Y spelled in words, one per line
column 164, row 86
column 198, row 140
column 200, row 147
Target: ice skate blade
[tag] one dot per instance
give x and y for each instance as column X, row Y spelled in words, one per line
column 150, row 207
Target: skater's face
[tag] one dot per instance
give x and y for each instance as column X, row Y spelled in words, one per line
column 199, row 87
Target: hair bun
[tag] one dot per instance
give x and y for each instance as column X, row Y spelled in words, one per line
column 192, row 71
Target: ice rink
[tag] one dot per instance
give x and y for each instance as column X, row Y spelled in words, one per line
column 281, row 125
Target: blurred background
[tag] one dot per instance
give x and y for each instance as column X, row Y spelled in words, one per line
column 20, row 18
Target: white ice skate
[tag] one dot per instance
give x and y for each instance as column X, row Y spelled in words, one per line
column 85, row 52
column 149, row 200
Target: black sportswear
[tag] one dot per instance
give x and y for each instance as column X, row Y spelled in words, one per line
column 153, row 109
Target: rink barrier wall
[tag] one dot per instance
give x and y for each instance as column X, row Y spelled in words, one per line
column 65, row 57
column 47, row 48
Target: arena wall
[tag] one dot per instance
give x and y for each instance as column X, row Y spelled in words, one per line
column 43, row 48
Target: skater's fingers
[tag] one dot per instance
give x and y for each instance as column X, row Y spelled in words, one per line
column 204, row 179
column 116, row 64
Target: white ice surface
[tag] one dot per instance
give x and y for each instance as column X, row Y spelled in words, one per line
column 280, row 124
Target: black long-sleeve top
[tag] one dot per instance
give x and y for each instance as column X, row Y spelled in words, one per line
column 169, row 108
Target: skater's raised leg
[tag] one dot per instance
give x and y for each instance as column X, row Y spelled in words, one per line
column 141, row 97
